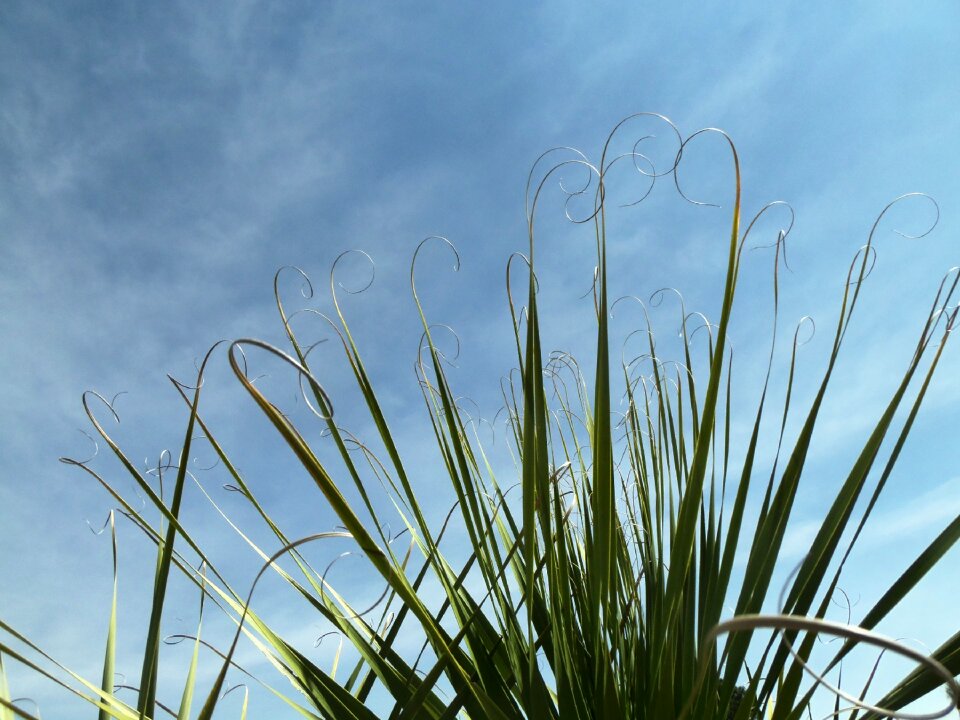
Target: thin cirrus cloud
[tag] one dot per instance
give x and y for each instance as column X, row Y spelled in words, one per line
column 158, row 165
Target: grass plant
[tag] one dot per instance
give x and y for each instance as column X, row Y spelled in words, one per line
column 598, row 588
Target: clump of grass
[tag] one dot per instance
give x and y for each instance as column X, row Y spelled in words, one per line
column 599, row 592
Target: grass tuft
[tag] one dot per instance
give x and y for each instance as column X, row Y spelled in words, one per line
column 598, row 589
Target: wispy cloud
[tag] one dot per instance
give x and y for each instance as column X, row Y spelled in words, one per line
column 158, row 164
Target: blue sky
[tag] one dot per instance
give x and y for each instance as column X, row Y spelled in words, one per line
column 159, row 163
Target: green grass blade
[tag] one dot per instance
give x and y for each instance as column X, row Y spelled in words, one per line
column 109, row 659
column 6, row 712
